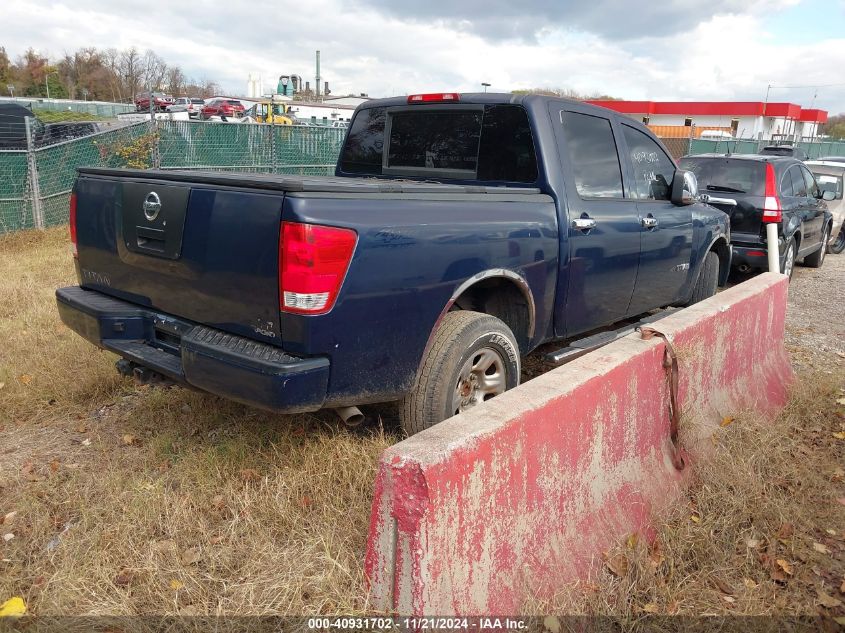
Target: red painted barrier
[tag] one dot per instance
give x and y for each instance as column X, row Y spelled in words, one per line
column 523, row 493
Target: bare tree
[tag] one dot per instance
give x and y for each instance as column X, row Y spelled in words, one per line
column 175, row 81
column 154, row 70
column 130, row 69
column 111, row 62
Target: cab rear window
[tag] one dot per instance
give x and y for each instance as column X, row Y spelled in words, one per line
column 486, row 143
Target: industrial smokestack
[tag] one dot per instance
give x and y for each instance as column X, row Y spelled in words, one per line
column 317, row 86
column 326, row 90
column 307, row 87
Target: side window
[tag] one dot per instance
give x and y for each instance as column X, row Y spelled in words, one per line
column 653, row 170
column 593, row 155
column 786, row 189
column 799, row 187
column 812, row 187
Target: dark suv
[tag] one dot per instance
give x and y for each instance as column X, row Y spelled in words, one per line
column 755, row 190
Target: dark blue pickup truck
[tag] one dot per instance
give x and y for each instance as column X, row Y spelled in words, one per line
column 458, row 234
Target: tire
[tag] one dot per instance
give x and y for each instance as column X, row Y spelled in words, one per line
column 816, row 259
column 838, row 244
column 708, row 279
column 788, row 265
column 466, row 347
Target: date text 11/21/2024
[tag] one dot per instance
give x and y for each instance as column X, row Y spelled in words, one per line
column 421, row 623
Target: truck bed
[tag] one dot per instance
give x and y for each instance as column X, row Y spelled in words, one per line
column 290, row 183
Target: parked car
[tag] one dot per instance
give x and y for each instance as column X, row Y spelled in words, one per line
column 784, row 150
column 69, row 130
column 830, row 176
column 222, row 108
column 832, row 159
column 761, row 189
column 13, row 128
column 459, row 233
column 186, row 104
column 160, row 101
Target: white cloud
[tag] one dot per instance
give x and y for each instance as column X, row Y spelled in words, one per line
column 368, row 49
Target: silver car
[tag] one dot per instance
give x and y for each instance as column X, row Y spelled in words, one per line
column 187, row 104
column 831, row 176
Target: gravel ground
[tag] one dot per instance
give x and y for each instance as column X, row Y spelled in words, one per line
column 815, row 319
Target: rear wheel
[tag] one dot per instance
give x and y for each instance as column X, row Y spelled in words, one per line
column 817, row 259
column 788, row 266
column 708, row 279
column 473, row 357
column 839, row 243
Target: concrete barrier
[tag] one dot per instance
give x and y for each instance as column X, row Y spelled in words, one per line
column 524, row 493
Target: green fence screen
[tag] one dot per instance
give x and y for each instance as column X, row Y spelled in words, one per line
column 15, row 202
column 248, row 148
column 27, row 202
column 57, row 164
column 99, row 108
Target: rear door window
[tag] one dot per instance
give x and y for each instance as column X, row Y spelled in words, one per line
column 799, row 187
column 592, row 155
column 786, row 186
column 812, row 187
column 653, row 169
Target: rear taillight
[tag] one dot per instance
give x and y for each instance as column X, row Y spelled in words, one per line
column 313, row 261
column 72, row 221
column 772, row 211
column 436, row 97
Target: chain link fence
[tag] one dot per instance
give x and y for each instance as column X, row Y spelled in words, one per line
column 679, row 147
column 98, row 108
column 36, row 178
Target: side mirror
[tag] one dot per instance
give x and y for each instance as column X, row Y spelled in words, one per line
column 684, row 188
column 828, row 195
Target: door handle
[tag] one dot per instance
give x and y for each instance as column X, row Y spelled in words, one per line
column 583, row 224
column 650, row 222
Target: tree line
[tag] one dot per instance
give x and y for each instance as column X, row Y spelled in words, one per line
column 98, row 75
column 835, row 127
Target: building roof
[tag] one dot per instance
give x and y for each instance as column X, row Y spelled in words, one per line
column 715, row 108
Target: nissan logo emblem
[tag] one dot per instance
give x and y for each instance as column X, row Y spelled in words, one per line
column 152, row 206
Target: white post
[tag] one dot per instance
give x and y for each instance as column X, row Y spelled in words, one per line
column 772, row 246
column 35, row 185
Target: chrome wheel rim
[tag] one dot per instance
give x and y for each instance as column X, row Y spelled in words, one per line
column 825, row 238
column 789, row 262
column 482, row 377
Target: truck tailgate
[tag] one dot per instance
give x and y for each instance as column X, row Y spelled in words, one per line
column 202, row 252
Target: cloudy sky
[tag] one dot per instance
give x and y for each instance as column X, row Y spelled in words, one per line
column 669, row 50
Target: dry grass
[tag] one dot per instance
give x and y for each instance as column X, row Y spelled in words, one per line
column 761, row 530
column 134, row 500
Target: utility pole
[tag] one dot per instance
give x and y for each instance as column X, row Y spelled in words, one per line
column 317, row 87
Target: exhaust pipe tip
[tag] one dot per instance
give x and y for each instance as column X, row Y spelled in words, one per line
column 351, row 416
column 744, row 268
